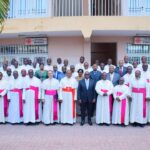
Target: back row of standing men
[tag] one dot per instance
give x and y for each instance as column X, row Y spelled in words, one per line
column 22, row 93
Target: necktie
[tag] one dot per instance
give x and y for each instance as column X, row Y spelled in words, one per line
column 121, row 72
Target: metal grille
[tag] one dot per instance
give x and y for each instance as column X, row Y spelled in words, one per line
column 105, row 7
column 28, row 9
column 139, row 7
column 67, row 7
column 19, row 52
column 135, row 52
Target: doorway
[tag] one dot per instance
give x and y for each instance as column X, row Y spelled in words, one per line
column 103, row 51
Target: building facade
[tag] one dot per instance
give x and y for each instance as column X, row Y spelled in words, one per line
column 96, row 29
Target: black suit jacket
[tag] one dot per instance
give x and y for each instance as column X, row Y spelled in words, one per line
column 96, row 76
column 84, row 94
column 117, row 70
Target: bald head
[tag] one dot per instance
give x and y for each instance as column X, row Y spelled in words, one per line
column 144, row 59
column 111, row 69
column 121, row 81
column 121, row 62
column 104, row 75
column 95, row 67
column 137, row 74
column 30, row 72
column 69, row 73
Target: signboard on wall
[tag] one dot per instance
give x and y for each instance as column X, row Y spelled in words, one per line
column 36, row 41
column 142, row 40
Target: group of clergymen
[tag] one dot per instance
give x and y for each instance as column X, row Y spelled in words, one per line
column 34, row 92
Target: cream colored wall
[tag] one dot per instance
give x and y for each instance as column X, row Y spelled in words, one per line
column 120, row 41
column 85, row 24
column 70, row 48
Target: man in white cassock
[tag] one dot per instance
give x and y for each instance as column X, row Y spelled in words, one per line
column 8, row 76
column 25, row 65
column 143, row 61
column 140, row 94
column 49, row 65
column 3, row 99
column 146, row 75
column 121, row 104
column 128, row 76
column 50, row 89
column 15, row 91
column 80, row 65
column 104, row 89
column 67, row 97
column 32, row 111
column 126, row 62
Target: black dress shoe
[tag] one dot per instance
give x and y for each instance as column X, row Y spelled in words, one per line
column 82, row 123
column 90, row 123
column 142, row 125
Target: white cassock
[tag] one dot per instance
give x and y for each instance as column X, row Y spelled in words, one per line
column 141, row 68
column 50, row 89
column 74, row 74
column 121, row 109
column 79, row 66
column 12, row 67
column 139, row 92
column 48, row 67
column 59, row 66
column 32, row 111
column 8, row 78
column 25, row 67
column 68, row 93
column 103, row 70
column 23, row 80
column 35, row 69
column 134, row 69
column 106, row 68
column 127, row 78
column 15, row 109
column 127, row 65
column 104, row 103
column 3, row 101
column 146, row 76
column 3, row 72
column 16, row 69
column 89, row 69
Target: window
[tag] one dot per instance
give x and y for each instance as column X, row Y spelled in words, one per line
column 105, row 7
column 67, row 7
column 28, row 9
column 135, row 52
column 139, row 7
column 20, row 52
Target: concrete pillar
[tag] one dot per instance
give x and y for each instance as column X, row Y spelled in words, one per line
column 87, row 50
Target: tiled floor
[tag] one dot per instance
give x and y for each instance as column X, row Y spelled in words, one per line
column 60, row 137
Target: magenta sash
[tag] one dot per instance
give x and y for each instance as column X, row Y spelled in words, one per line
column 53, row 93
column 5, row 104
column 143, row 91
column 110, row 100
column 123, row 107
column 36, row 91
column 19, row 91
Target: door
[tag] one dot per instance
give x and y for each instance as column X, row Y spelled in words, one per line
column 103, row 51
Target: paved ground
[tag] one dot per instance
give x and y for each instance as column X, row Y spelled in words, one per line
column 59, row 137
